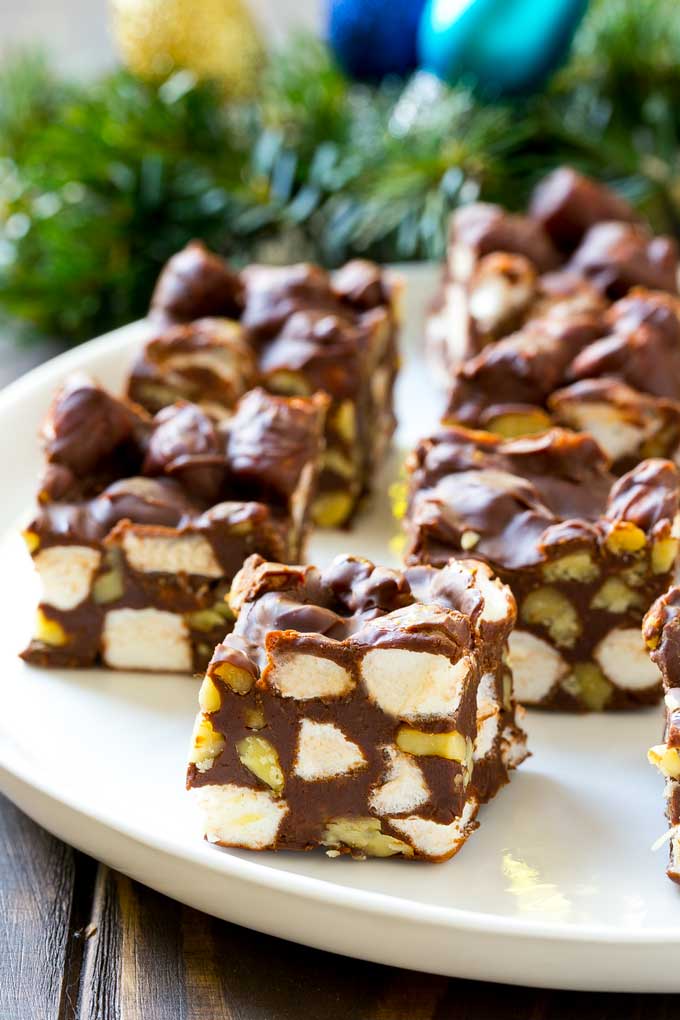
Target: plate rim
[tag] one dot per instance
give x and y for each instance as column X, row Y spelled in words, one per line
column 380, row 904
column 15, row 768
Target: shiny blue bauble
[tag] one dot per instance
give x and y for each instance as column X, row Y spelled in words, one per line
column 501, row 47
column 374, row 38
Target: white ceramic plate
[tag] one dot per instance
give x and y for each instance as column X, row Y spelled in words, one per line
column 557, row 888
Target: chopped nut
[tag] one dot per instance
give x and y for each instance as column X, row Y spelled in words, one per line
column 50, row 632
column 241, row 528
column 239, row 680
column 343, row 421
column 155, row 395
column 364, row 835
column 209, row 697
column 254, row 718
column 333, row 460
column 575, row 566
column 32, row 540
column 666, row 760
column 615, row 596
column 549, row 608
column 289, row 384
column 591, row 684
column 453, row 745
column 664, row 552
column 624, row 538
column 205, row 619
column 469, row 539
column 636, row 574
column 515, row 423
column 332, row 509
column 207, row 744
column 109, row 586
column 260, row 757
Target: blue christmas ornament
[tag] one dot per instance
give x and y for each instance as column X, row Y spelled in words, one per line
column 503, row 47
column 374, row 38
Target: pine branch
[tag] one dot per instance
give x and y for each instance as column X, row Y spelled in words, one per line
column 100, row 183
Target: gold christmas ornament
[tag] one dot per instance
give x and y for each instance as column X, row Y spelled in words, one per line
column 214, row 39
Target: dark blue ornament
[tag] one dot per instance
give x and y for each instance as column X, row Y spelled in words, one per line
column 502, row 47
column 374, row 38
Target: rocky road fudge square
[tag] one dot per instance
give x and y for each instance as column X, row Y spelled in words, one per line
column 662, row 636
column 584, row 553
column 578, row 248
column 142, row 522
column 294, row 330
column 615, row 375
column 360, row 709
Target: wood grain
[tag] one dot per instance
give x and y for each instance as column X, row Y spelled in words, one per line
column 81, row 942
column 36, row 893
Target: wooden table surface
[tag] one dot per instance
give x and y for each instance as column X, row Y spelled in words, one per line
column 81, row 942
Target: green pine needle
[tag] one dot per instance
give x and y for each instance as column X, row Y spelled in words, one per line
column 101, row 182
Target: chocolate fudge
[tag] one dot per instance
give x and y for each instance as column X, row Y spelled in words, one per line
column 615, row 375
column 365, row 710
column 585, row 554
column 661, row 631
column 143, row 522
column 579, row 247
column 294, row 330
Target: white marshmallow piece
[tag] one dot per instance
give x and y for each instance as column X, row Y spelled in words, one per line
column 495, row 298
column 616, row 436
column 623, row 658
column 433, row 839
column 323, row 751
column 499, row 603
column 488, row 717
column 238, row 816
column 309, row 676
column 461, row 261
column 414, row 685
column 149, row 639
column 536, row 667
column 672, row 699
column 513, row 747
column 185, row 554
column 66, row 573
column 404, row 789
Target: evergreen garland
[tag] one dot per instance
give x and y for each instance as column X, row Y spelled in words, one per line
column 101, row 182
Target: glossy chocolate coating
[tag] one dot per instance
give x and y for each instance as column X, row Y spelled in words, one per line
column 524, row 505
column 274, row 293
column 86, row 425
column 521, row 369
column 567, row 203
column 342, row 612
column 643, row 347
column 514, row 493
column 240, row 487
column 661, row 631
column 296, row 330
column 208, row 361
column 617, row 256
column 484, row 228
column 194, row 283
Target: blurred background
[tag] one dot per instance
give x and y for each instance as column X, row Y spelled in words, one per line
column 288, row 130
column 77, row 32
